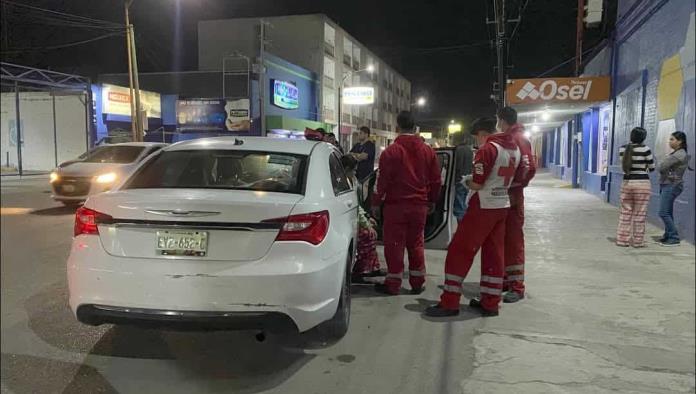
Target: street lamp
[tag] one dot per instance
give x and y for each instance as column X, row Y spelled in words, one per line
column 421, row 101
column 370, row 69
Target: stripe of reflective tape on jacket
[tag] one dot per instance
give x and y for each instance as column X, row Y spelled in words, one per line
column 455, row 278
column 416, row 273
column 516, row 267
column 490, row 290
column 394, row 276
column 515, row 277
column 452, row 289
column 492, row 279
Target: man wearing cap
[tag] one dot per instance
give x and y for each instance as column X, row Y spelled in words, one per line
column 483, row 225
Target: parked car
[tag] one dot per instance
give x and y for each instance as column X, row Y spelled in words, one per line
column 247, row 233
column 97, row 170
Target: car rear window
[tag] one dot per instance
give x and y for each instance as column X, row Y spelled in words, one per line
column 223, row 169
column 114, row 154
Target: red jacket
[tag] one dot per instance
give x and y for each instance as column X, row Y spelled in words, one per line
column 527, row 167
column 409, row 172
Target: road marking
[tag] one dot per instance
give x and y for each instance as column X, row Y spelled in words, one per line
column 14, row 211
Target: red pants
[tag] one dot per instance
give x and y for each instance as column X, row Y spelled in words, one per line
column 479, row 229
column 404, row 225
column 514, row 243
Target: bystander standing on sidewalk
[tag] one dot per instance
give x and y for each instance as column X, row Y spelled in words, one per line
column 636, row 162
column 672, row 169
column 463, row 159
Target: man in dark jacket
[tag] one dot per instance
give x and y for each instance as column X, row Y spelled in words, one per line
column 364, row 153
column 408, row 185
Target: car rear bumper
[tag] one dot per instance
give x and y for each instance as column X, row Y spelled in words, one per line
column 295, row 280
column 185, row 320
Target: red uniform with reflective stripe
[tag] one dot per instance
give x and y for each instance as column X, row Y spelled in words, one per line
column 409, row 180
column 483, row 228
column 514, row 233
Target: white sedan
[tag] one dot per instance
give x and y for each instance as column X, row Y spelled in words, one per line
column 98, row 170
column 247, row 233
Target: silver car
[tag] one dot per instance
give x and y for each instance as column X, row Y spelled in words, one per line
column 98, row 170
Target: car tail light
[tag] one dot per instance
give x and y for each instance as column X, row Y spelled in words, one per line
column 86, row 221
column 307, row 227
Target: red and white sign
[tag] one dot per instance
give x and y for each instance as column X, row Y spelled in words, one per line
column 116, row 101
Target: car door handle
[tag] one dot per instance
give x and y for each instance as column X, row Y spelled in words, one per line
column 349, row 204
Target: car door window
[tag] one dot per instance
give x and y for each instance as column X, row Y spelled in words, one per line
column 339, row 180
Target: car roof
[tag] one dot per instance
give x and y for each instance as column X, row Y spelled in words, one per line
column 264, row 144
column 145, row 144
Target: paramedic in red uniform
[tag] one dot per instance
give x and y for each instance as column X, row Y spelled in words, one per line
column 514, row 233
column 408, row 184
column 483, row 225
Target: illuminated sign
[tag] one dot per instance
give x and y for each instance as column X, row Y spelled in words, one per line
column 542, row 90
column 359, row 95
column 454, row 128
column 116, row 101
column 285, row 94
column 426, row 135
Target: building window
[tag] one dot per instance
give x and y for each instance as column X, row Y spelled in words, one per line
column 356, row 57
column 347, row 52
column 329, row 71
column 329, row 40
column 329, row 104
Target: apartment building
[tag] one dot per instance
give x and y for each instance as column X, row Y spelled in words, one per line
column 318, row 44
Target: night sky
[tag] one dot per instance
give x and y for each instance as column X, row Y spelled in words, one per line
column 408, row 35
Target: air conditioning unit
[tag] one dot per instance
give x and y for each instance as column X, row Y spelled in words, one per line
column 593, row 13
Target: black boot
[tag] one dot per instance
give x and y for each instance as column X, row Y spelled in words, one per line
column 475, row 303
column 439, row 311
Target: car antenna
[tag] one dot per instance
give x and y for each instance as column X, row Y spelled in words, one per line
column 238, row 141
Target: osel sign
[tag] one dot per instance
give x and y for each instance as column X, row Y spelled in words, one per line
column 566, row 90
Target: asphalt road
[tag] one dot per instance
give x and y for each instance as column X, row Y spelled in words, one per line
column 597, row 319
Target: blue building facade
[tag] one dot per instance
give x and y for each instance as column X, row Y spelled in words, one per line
column 650, row 58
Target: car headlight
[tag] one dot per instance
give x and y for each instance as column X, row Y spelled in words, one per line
column 54, row 177
column 109, row 177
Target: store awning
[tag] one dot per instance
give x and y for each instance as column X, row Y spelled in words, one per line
column 546, row 103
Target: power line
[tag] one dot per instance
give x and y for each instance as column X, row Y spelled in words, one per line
column 61, row 46
column 556, row 67
column 519, row 19
column 64, row 16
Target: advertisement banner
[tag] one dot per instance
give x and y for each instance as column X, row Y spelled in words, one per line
column 116, row 101
column 359, row 95
column 285, row 94
column 557, row 90
column 213, row 115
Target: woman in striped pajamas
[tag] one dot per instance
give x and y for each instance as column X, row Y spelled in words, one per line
column 636, row 161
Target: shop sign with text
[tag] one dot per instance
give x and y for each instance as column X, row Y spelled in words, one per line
column 564, row 90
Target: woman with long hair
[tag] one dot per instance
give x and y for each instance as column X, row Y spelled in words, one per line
column 636, row 162
column 672, row 170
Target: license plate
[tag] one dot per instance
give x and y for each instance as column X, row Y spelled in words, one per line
column 182, row 243
column 68, row 188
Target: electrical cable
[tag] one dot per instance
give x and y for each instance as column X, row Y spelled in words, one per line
column 61, row 46
column 65, row 16
column 556, row 67
column 519, row 19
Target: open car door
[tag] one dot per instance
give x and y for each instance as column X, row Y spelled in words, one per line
column 440, row 225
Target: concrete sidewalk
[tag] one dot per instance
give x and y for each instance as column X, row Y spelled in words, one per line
column 597, row 318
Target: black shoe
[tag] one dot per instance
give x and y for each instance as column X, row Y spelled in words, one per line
column 418, row 290
column 375, row 274
column 475, row 303
column 383, row 289
column 438, row 311
column 512, row 296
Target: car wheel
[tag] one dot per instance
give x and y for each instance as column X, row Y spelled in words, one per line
column 337, row 327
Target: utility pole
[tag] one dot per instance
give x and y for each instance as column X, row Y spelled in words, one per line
column 134, row 128
column 578, row 42
column 500, row 44
column 133, row 75
column 262, row 78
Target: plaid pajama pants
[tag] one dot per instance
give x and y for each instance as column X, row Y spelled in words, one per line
column 635, row 196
